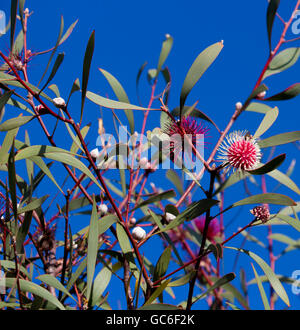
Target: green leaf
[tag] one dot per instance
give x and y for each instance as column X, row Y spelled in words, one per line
column 54, row 48
column 220, row 282
column 22, row 232
column 182, row 280
column 76, row 142
column 277, row 286
column 54, row 282
column 75, row 88
column 121, row 95
column 270, row 166
column 267, row 122
column 289, row 220
column 123, row 239
column 157, row 292
column 261, row 290
column 157, row 198
column 35, row 289
column 138, row 80
column 111, row 104
column 106, row 222
column 86, row 69
column 175, row 179
column 13, row 19
column 8, row 264
column 12, row 180
column 165, row 51
column 4, row 98
column 194, row 210
column 282, row 61
column 258, row 90
column 285, row 180
column 162, row 264
column 280, row 139
column 57, row 154
column 258, row 107
column 57, row 64
column 6, row 145
column 100, row 284
column 21, row 12
column 287, row 94
column 271, row 12
column 200, row 65
column 92, row 249
column 33, row 205
column 268, row 198
column 15, row 123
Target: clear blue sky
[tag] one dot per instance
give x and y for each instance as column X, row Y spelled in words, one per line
column 128, row 33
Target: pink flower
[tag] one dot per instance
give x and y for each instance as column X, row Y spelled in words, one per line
column 240, row 151
column 261, row 213
column 188, row 128
column 213, row 227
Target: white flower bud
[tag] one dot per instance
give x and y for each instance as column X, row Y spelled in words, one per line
column 103, row 209
column 238, row 106
column 59, row 102
column 261, row 95
column 138, row 233
column 95, row 153
column 143, row 162
column 170, row 217
column 132, row 221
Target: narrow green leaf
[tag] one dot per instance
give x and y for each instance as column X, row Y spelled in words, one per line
column 35, row 289
column 12, row 180
column 33, row 205
column 57, row 64
column 194, row 210
column 4, row 98
column 162, row 264
column 86, row 69
column 280, row 139
column 267, row 122
column 285, row 180
column 121, row 95
column 157, row 292
column 200, row 65
column 261, row 289
column 111, row 104
column 157, row 198
column 15, row 123
column 271, row 12
column 287, row 94
column 106, row 222
column 100, row 284
column 258, row 107
column 282, row 61
column 274, row 281
column 289, row 220
column 54, row 282
column 22, row 232
column 13, row 19
column 270, row 166
column 165, row 51
column 92, row 249
column 268, row 198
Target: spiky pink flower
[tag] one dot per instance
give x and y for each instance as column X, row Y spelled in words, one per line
column 187, row 128
column 261, row 213
column 240, row 151
column 213, row 227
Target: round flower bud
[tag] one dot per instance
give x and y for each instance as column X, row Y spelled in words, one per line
column 143, row 162
column 132, row 221
column 102, row 209
column 59, row 102
column 95, row 153
column 238, row 106
column 138, row 233
column 261, row 95
column 261, row 213
column 170, row 217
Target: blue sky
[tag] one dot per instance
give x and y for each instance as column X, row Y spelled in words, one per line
column 128, row 33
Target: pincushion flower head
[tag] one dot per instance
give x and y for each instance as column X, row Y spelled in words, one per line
column 213, row 227
column 239, row 151
column 188, row 128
